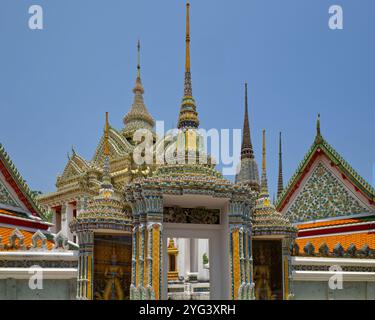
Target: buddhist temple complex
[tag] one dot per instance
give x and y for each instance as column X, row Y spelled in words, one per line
column 180, row 230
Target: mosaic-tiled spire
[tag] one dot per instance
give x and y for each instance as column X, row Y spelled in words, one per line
column 138, row 117
column 264, row 184
column 247, row 147
column 280, row 183
column 188, row 117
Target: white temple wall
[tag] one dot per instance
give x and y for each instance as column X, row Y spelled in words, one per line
column 18, row 289
column 319, row 290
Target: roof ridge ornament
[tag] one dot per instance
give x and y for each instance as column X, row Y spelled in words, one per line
column 319, row 137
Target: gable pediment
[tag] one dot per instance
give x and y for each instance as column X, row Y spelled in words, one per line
column 324, row 194
column 75, row 167
column 118, row 147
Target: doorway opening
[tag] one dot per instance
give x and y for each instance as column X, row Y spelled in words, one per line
column 188, row 269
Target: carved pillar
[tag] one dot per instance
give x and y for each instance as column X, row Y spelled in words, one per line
column 133, row 285
column 154, row 209
column 287, row 268
column 240, row 251
column 85, row 265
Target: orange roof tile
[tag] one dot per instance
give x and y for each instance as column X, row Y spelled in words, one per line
column 6, row 232
column 358, row 239
column 321, row 224
column 8, row 213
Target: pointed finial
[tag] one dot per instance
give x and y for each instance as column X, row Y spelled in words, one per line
column 106, row 180
column 247, row 147
column 187, row 61
column 139, row 59
column 188, row 117
column 280, row 183
column 264, row 184
column 318, row 125
column 138, row 83
column 106, row 136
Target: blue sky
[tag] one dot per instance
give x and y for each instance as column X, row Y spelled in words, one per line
column 57, row 83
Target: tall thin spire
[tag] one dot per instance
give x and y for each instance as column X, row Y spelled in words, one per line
column 188, row 117
column 138, row 83
column 187, row 53
column 264, row 184
column 106, row 182
column 139, row 59
column 247, row 147
column 280, row 183
column 106, row 136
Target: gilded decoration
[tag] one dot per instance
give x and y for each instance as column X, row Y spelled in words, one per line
column 191, row 215
column 323, row 196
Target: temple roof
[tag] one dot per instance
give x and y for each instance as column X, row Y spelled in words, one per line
column 107, row 205
column 321, row 147
column 359, row 240
column 19, row 193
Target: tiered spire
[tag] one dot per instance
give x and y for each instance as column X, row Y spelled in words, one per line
column 138, row 117
column 264, row 184
column 280, row 183
column 247, row 147
column 188, row 117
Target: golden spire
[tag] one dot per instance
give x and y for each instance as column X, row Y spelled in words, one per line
column 106, row 136
column 264, row 184
column 188, row 117
column 106, row 180
column 187, row 62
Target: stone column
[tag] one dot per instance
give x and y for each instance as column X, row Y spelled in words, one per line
column 85, row 285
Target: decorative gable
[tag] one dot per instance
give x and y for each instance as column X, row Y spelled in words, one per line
column 6, row 197
column 76, row 166
column 323, row 195
column 118, row 147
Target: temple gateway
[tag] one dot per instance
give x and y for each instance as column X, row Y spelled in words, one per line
column 180, row 230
